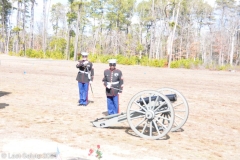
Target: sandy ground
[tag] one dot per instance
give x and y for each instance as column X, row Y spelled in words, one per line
column 39, row 112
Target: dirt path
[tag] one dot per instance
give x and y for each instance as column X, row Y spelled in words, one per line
column 38, row 110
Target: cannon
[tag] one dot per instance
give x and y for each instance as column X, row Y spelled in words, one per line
column 151, row 114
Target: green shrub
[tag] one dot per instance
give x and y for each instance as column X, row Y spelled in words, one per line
column 223, row 67
column 13, row 54
column 214, row 66
column 197, row 62
column 55, row 55
column 104, row 58
column 21, row 53
column 186, row 63
column 175, row 64
column 121, row 59
column 58, row 44
column 34, row 53
column 157, row 63
column 93, row 57
column 126, row 60
column 144, row 61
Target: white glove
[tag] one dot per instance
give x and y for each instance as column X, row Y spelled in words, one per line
column 90, row 82
column 109, row 86
column 78, row 64
column 85, row 63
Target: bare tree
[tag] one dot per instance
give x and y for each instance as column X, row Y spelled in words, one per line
column 171, row 37
column 44, row 28
column 33, row 2
column 77, row 28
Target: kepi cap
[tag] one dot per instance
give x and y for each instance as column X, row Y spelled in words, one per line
column 84, row 54
column 112, row 61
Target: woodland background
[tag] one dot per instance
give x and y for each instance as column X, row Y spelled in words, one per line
column 160, row 33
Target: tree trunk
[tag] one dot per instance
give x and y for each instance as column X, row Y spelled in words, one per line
column 237, row 58
column 151, row 32
column 220, row 56
column 3, row 33
column 232, row 49
column 32, row 24
column 187, row 45
column 81, row 41
column 68, row 43
column 146, row 43
column 172, row 35
column 101, row 30
column 24, row 13
column 46, row 24
column 221, row 41
column 18, row 23
column 204, row 52
column 8, row 37
column 95, row 33
column 44, row 29
column 180, row 46
column 158, row 49
column 211, row 53
column 77, row 32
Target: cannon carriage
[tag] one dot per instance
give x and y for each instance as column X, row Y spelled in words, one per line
column 151, row 114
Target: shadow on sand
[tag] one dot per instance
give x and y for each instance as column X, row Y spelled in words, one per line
column 3, row 105
column 105, row 113
column 2, row 93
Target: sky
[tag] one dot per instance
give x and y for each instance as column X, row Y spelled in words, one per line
column 211, row 2
column 39, row 8
column 38, row 12
column 40, row 3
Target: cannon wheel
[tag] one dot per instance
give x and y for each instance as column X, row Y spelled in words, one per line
column 180, row 107
column 147, row 119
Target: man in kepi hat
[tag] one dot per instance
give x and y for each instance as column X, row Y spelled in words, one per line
column 113, row 81
column 84, row 77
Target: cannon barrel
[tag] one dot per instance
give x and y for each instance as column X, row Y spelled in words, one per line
column 171, row 97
